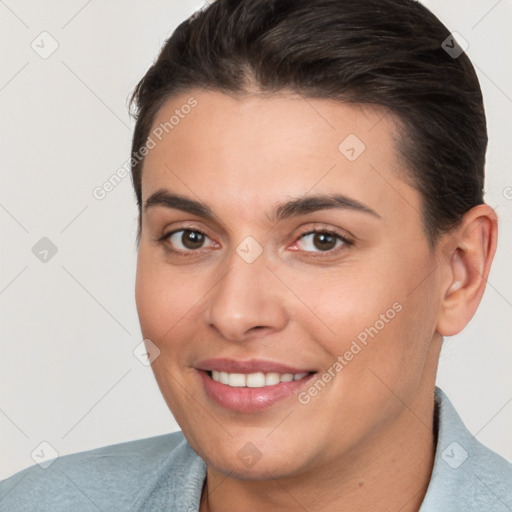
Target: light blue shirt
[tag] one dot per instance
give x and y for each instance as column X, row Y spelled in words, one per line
column 164, row 473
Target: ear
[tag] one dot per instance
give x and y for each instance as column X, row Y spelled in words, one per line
column 466, row 255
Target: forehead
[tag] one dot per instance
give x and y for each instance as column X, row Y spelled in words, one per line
column 257, row 149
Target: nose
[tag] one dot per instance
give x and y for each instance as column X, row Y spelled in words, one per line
column 248, row 302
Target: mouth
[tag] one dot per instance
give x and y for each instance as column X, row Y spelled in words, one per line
column 250, row 386
column 254, row 380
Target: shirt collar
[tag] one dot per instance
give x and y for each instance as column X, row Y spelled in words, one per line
column 466, row 476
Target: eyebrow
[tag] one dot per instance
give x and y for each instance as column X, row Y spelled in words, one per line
column 292, row 208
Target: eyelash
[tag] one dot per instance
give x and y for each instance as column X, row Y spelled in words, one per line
column 347, row 242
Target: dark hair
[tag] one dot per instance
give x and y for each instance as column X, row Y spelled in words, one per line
column 391, row 53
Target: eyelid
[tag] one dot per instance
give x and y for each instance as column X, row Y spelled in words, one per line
column 171, row 232
column 324, row 228
column 174, row 227
column 346, row 240
column 168, row 234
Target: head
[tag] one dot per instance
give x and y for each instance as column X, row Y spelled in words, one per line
column 261, row 122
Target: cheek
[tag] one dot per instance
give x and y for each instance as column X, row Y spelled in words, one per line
column 346, row 301
column 378, row 312
column 163, row 304
column 162, row 298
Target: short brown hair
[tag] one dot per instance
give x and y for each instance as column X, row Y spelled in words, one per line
column 382, row 52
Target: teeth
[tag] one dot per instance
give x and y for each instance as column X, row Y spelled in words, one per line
column 254, row 380
column 271, row 379
column 236, row 380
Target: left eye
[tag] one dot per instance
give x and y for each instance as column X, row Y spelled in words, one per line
column 323, row 241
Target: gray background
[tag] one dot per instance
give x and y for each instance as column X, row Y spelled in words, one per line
column 68, row 376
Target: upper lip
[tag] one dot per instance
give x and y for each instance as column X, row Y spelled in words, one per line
column 250, row 366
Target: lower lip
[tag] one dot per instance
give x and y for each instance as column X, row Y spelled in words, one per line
column 249, row 399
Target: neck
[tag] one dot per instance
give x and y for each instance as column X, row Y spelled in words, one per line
column 389, row 470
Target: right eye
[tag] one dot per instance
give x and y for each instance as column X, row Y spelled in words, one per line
column 183, row 241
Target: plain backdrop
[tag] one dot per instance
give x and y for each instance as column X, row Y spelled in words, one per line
column 68, row 375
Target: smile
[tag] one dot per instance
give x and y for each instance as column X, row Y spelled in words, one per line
column 250, row 386
column 254, row 380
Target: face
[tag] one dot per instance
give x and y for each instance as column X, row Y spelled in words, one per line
column 286, row 279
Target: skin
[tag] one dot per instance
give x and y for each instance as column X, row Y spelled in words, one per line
column 366, row 440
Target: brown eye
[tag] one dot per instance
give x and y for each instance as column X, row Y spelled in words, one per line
column 324, row 241
column 192, row 239
column 187, row 239
column 321, row 241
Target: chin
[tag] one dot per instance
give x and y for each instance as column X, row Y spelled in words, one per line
column 261, row 469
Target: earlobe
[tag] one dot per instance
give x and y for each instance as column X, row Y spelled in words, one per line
column 468, row 262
